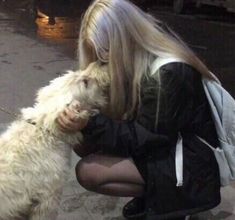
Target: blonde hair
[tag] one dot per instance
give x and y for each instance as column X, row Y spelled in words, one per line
column 128, row 39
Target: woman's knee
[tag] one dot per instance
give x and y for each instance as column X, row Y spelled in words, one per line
column 88, row 175
column 82, row 150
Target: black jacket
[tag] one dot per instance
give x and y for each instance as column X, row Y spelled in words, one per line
column 183, row 108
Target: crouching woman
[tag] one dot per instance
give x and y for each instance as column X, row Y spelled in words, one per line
column 146, row 146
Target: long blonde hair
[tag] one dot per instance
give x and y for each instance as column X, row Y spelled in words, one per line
column 128, row 39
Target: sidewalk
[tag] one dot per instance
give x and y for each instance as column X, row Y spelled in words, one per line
column 79, row 204
column 26, row 65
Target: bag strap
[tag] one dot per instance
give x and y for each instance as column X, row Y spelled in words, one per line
column 156, row 65
column 161, row 61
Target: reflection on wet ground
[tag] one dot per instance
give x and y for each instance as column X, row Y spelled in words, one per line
column 57, row 27
column 59, row 19
column 54, row 21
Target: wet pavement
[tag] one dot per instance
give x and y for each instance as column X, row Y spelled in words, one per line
column 30, row 58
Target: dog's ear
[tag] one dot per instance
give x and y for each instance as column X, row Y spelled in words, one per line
column 101, row 75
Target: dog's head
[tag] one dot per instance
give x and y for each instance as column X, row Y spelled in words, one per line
column 89, row 87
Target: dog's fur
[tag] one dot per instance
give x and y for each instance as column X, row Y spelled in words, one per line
column 35, row 153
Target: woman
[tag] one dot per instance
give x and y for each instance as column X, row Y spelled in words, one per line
column 131, row 149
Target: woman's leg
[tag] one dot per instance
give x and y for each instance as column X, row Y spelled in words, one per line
column 110, row 175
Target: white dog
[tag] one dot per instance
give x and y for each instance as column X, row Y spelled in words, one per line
column 34, row 153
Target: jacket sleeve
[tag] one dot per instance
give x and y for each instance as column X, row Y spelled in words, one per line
column 120, row 138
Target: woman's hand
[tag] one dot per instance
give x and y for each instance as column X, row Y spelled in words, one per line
column 69, row 121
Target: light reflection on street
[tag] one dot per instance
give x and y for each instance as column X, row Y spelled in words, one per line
column 56, row 27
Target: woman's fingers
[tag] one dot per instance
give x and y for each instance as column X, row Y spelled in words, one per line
column 70, row 114
column 62, row 126
column 65, row 126
column 69, row 122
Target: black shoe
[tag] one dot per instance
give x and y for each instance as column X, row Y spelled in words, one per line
column 134, row 209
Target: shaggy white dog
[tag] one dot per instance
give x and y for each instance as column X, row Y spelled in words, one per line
column 35, row 154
